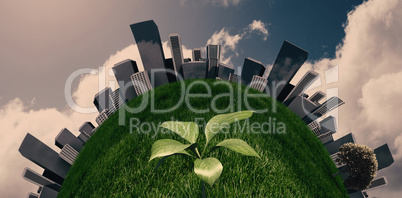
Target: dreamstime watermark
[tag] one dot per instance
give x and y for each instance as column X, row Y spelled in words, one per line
column 270, row 126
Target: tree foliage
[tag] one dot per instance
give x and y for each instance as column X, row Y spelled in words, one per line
column 361, row 165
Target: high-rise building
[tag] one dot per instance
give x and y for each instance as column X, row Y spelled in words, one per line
column 287, row 63
column 384, row 156
column 213, row 56
column 327, row 106
column 52, row 176
column 47, row 192
column 378, row 183
column 171, row 71
column 197, row 54
column 259, row 83
column 225, row 71
column 328, row 125
column 102, row 100
column 235, row 78
column 333, row 147
column 177, row 52
column 43, row 156
column 66, row 137
column 285, row 92
column 315, row 127
column 122, row 71
column 83, row 137
column 116, row 97
column 87, row 128
column 146, row 35
column 302, row 106
column 35, row 178
column 301, row 86
column 141, row 82
column 251, row 68
column 68, row 154
column 317, row 96
column 326, row 138
column 102, row 117
column 32, row 195
column 195, row 70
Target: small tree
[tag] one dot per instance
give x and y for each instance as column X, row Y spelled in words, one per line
column 361, row 165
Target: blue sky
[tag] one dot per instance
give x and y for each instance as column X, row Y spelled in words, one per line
column 42, row 43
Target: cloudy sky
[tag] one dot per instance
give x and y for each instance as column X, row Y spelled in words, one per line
column 43, row 43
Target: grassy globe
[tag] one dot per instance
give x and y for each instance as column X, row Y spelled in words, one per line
column 114, row 162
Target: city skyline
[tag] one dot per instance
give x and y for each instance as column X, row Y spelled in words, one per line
column 290, row 59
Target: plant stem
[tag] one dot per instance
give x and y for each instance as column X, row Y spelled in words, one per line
column 203, row 189
column 196, row 150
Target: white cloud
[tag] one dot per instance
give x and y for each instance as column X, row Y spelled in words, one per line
column 259, row 27
column 370, row 80
column 16, row 119
column 230, row 41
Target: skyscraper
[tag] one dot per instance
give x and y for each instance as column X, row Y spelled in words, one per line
column 116, row 97
column 287, row 63
column 315, row 127
column 87, row 128
column 43, row 156
column 177, row 52
column 327, row 106
column 195, row 70
column 317, row 96
column 225, row 71
column 146, row 35
column 32, row 195
column 35, row 178
column 333, row 147
column 102, row 117
column 259, row 83
column 122, row 71
column 328, row 125
column 66, row 137
column 378, row 183
column 251, row 68
column 197, row 54
column 83, row 137
column 384, row 156
column 141, row 82
column 285, row 92
column 170, row 72
column 68, row 154
column 326, row 138
column 302, row 106
column 301, row 86
column 102, row 100
column 48, row 193
column 213, row 56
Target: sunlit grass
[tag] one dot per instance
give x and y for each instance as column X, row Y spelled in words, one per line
column 114, row 163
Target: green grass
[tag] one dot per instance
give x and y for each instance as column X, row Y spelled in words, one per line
column 114, row 162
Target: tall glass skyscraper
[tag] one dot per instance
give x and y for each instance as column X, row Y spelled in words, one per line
column 102, row 100
column 123, row 71
column 197, row 54
column 287, row 63
column 213, row 56
column 177, row 53
column 146, row 35
column 301, row 86
column 250, row 68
